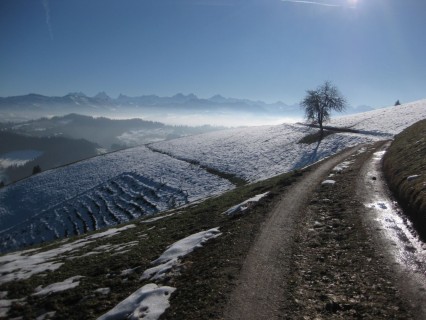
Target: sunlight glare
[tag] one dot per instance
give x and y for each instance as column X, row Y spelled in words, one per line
column 352, row 3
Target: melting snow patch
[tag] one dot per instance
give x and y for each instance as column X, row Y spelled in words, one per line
column 126, row 272
column 103, row 291
column 378, row 155
column 327, row 182
column 342, row 166
column 6, row 304
column 170, row 259
column 413, row 177
column 57, row 287
column 148, row 303
column 47, row 315
column 158, row 218
column 362, row 150
column 110, row 232
column 23, row 264
column 239, row 208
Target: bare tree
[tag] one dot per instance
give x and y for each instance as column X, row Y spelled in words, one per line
column 319, row 103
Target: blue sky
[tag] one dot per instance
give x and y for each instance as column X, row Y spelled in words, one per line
column 373, row 50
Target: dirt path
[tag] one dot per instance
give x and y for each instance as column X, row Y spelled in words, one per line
column 335, row 251
column 261, row 288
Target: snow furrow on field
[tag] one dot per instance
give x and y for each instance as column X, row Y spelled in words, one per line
column 118, row 187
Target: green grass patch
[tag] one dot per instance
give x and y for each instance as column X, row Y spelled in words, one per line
column 405, row 170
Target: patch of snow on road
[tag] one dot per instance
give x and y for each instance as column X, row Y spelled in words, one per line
column 147, row 303
column 342, row 166
column 328, row 182
column 170, row 259
column 67, row 284
column 243, row 206
column 407, row 248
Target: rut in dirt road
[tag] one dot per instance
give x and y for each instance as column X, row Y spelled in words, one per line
column 261, row 287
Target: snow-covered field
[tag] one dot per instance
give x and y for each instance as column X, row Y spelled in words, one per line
column 391, row 120
column 121, row 186
column 99, row 192
column 262, row 152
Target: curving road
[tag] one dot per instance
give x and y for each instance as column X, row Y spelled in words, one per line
column 369, row 261
column 261, row 286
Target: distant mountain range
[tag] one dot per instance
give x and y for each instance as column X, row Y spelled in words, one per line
column 32, row 106
column 102, row 101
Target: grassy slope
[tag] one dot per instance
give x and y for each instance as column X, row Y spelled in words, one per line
column 407, row 157
column 206, row 279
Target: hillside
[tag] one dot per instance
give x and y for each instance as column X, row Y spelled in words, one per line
column 405, row 169
column 99, row 192
column 261, row 152
column 89, row 276
column 132, row 183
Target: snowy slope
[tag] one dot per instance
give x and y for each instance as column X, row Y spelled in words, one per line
column 99, row 192
column 262, row 152
column 391, row 120
column 121, row 186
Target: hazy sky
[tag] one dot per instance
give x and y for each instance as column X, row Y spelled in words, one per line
column 373, row 50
